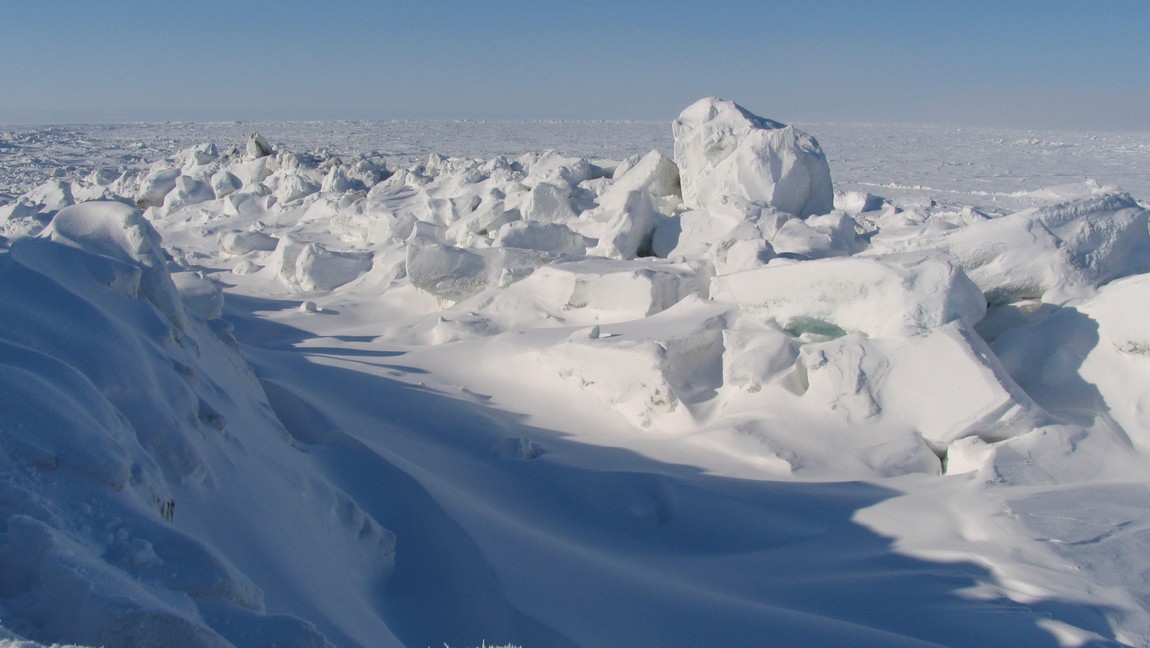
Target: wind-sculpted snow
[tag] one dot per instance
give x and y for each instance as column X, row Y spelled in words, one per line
column 553, row 398
column 139, row 453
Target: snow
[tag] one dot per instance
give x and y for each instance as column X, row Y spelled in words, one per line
column 402, row 384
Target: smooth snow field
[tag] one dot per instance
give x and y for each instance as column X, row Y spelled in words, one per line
column 716, row 382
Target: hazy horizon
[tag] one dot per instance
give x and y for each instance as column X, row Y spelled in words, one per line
column 1024, row 65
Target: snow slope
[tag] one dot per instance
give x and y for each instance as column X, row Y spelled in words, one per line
column 256, row 395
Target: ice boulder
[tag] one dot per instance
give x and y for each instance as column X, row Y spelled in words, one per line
column 288, row 186
column 973, row 396
column 53, row 195
column 653, row 172
column 828, row 298
column 883, row 403
column 200, row 155
column 816, row 237
column 244, row 242
column 311, row 266
column 187, row 191
column 724, row 150
column 453, row 274
column 258, row 147
column 585, row 292
column 547, row 237
column 893, row 387
column 548, row 203
column 552, row 167
column 446, row 271
column 224, row 183
column 631, row 230
column 155, row 186
column 489, row 216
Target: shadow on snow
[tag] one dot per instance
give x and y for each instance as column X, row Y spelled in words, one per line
column 565, row 544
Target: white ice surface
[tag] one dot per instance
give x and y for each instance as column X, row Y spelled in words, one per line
column 441, row 393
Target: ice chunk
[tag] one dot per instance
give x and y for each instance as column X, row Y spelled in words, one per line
column 447, row 272
column 631, row 231
column 548, row 237
column 187, row 191
column 723, row 150
column 224, row 183
column 453, row 274
column 871, row 296
column 311, row 266
column 548, row 203
column 287, row 186
column 816, row 237
column 591, row 291
column 552, row 167
column 156, row 186
column 53, row 195
column 712, row 235
column 258, row 147
column 752, row 357
column 653, row 173
column 619, row 288
column 245, row 242
column 1090, row 361
column 973, row 396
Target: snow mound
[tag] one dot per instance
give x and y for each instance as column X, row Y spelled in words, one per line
column 120, row 232
column 724, row 150
column 646, row 376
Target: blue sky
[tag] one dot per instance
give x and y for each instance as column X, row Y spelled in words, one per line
column 1037, row 64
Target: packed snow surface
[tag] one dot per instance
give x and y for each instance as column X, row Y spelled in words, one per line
column 573, row 384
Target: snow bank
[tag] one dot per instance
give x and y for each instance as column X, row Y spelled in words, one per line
column 723, row 150
column 139, row 452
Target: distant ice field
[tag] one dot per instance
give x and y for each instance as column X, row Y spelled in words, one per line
column 989, row 169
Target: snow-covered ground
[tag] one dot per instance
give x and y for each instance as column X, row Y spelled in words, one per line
column 573, row 384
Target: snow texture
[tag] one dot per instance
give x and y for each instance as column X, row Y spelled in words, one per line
column 629, row 387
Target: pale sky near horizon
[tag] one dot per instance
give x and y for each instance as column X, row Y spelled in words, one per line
column 1046, row 64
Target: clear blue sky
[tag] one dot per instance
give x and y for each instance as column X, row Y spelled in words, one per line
column 1035, row 64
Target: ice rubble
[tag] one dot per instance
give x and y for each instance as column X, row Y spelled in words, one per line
column 744, row 216
column 720, row 296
